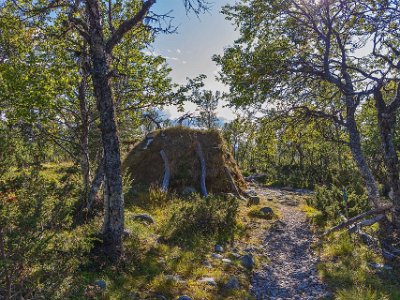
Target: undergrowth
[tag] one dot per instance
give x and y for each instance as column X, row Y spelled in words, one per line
column 350, row 268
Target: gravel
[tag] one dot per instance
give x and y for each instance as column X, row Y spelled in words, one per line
column 291, row 272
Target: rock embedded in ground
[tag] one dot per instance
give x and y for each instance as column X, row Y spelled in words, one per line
column 254, row 200
column 226, row 261
column 208, row 280
column 235, row 255
column 219, row 248
column 184, row 297
column 217, row 256
column 232, row 284
column 143, row 218
column 247, row 261
column 101, row 284
column 267, row 210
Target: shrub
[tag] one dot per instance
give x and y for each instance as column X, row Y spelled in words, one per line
column 330, row 202
column 155, row 197
column 211, row 216
column 40, row 247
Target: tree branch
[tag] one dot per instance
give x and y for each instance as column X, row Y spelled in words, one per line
column 127, row 25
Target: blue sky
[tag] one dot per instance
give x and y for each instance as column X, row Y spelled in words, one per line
column 189, row 51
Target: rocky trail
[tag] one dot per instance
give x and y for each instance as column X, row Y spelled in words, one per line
column 291, row 269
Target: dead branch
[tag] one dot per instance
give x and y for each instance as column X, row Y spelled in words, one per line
column 367, row 222
column 167, row 171
column 200, row 155
column 234, row 187
column 357, row 218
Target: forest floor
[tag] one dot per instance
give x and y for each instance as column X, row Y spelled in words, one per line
column 290, row 270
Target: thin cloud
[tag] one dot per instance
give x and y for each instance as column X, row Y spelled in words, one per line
column 171, row 58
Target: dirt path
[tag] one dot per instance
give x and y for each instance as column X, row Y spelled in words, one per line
column 291, row 272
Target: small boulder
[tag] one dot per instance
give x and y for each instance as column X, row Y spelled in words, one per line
column 101, row 284
column 266, row 210
column 253, row 200
column 232, row 284
column 247, row 261
column 217, row 256
column 235, row 255
column 209, row 281
column 218, row 248
column 226, row 261
column 184, row 297
column 143, row 218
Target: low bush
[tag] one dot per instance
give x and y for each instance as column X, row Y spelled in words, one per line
column 330, row 203
column 210, row 216
column 39, row 245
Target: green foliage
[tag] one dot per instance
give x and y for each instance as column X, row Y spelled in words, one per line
column 347, row 269
column 154, row 197
column 315, row 216
column 41, row 247
column 330, row 203
column 207, row 103
column 210, row 216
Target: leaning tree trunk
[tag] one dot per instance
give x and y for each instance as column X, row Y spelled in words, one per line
column 356, row 150
column 113, row 197
column 386, row 125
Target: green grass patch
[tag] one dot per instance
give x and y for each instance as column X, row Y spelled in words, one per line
column 347, row 269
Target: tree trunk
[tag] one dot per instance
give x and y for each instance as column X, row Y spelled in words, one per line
column 387, row 125
column 356, row 150
column 96, row 184
column 84, row 138
column 113, row 197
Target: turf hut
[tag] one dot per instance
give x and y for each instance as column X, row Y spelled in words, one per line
column 179, row 159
